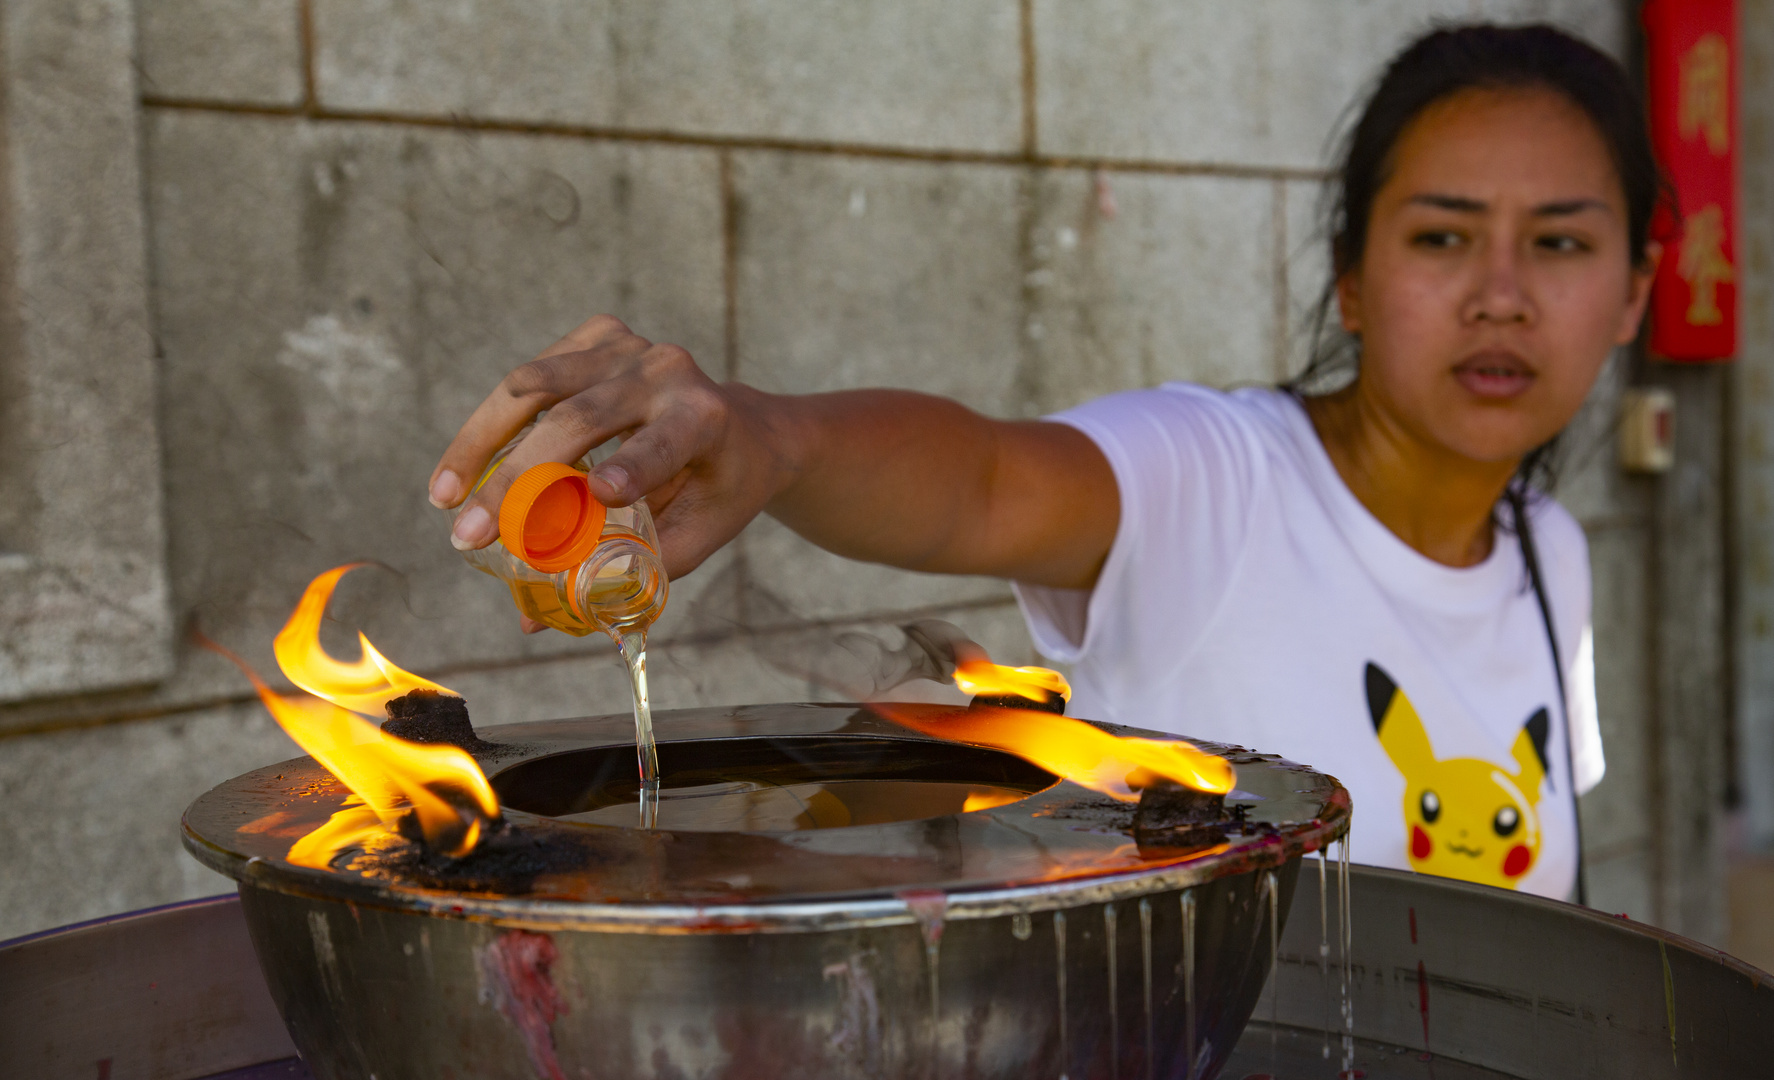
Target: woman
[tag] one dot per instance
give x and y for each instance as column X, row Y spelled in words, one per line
column 1336, row 575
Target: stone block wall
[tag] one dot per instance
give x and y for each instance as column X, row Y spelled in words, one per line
column 358, row 214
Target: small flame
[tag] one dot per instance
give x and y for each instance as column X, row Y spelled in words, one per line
column 363, row 687
column 978, row 675
column 440, row 784
column 1116, row 765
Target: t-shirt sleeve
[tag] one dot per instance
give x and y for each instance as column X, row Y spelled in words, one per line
column 1565, row 551
column 1186, row 462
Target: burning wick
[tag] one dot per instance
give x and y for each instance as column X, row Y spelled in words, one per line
column 394, row 783
column 1119, row 766
column 1000, row 685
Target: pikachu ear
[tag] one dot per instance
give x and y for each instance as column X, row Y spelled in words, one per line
column 1530, row 749
column 1397, row 723
column 1380, row 689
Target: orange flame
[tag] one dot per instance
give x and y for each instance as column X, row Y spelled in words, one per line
column 978, row 675
column 1116, row 765
column 363, row 687
column 440, row 784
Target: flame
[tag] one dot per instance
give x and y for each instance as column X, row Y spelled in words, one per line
column 363, row 687
column 978, row 675
column 388, row 776
column 1072, row 749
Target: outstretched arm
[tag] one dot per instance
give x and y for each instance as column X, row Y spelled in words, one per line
column 885, row 476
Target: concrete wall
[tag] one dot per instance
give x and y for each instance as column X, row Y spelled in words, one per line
column 1752, row 434
column 357, row 215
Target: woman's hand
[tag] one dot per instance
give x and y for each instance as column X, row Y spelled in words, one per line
column 699, row 452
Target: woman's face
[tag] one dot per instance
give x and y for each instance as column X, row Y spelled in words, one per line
column 1497, row 276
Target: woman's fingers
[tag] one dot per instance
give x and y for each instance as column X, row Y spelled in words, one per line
column 655, row 454
column 565, row 368
column 658, row 394
column 570, row 429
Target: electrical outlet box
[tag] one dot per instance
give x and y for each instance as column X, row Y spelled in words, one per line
column 1647, row 430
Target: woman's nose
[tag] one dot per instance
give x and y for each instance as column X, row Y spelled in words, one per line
column 1498, row 294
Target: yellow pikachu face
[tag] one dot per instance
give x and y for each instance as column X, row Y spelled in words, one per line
column 1467, row 818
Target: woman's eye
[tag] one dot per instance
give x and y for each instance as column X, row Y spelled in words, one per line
column 1561, row 243
column 1437, row 239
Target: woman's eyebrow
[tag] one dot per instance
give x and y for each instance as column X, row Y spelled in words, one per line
column 1462, row 203
column 1465, row 204
column 1566, row 207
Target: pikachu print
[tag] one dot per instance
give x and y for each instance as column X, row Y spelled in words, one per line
column 1466, row 818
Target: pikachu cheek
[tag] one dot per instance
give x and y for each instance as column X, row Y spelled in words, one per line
column 1421, row 845
column 1516, row 863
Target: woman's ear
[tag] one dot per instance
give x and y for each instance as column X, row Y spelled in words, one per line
column 1349, row 301
column 1639, row 293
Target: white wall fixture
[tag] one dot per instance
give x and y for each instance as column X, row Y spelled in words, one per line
column 1647, row 430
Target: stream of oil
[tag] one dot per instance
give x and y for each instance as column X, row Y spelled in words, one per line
column 632, row 641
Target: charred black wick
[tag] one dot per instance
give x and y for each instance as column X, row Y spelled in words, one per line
column 508, row 860
column 426, row 716
column 1055, row 703
column 1174, row 814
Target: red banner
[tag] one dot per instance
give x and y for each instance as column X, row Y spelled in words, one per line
column 1691, row 68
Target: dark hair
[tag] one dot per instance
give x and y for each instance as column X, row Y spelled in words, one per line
column 1436, row 66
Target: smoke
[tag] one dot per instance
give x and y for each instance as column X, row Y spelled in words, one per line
column 861, row 666
column 853, row 664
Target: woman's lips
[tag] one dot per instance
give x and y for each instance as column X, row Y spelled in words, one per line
column 1495, row 375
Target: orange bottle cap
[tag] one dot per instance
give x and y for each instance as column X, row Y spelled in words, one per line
column 549, row 518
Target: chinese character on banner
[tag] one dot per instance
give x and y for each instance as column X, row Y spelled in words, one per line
column 1691, row 67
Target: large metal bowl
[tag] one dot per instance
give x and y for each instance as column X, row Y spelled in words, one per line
column 1040, row 937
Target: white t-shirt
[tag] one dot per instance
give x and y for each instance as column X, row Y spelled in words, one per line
column 1250, row 598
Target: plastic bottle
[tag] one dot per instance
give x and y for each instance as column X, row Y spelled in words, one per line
column 571, row 562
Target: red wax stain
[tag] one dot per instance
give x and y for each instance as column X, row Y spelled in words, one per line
column 514, row 971
column 929, row 907
column 1413, row 926
column 1515, row 864
column 1420, row 843
column 105, row 1069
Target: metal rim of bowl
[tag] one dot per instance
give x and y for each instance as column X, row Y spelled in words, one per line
column 826, row 913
